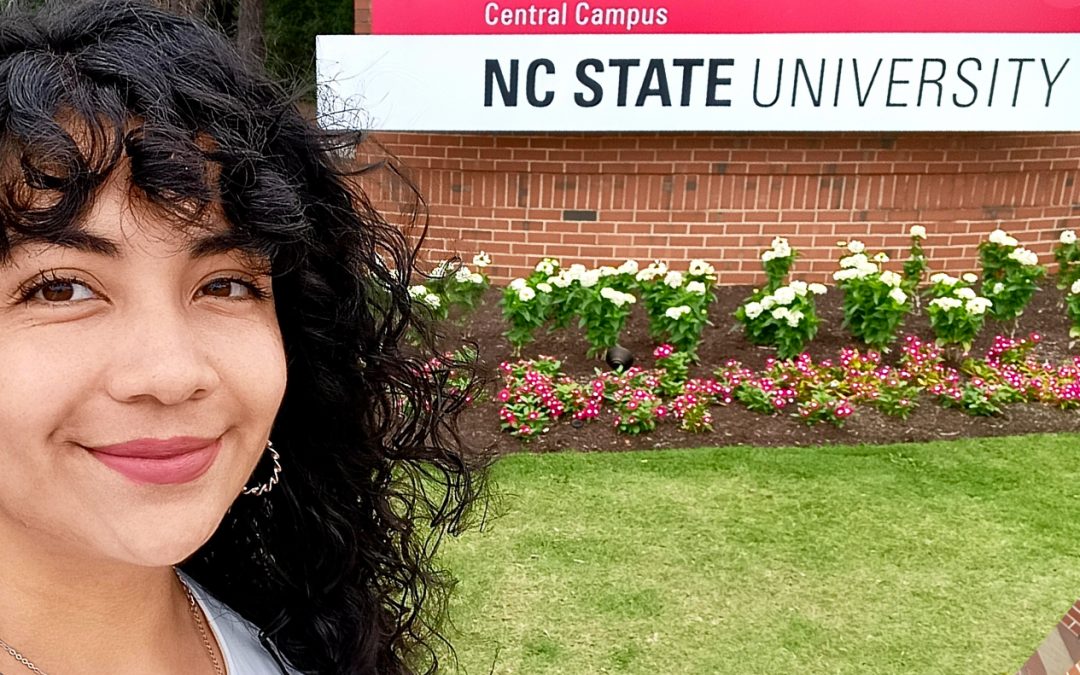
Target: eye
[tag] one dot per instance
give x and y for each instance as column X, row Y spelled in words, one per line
column 57, row 290
column 233, row 288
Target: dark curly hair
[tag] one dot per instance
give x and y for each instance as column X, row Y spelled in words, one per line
column 335, row 565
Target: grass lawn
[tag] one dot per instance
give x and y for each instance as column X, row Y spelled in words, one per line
column 937, row 558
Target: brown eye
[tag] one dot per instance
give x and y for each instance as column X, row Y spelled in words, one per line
column 60, row 290
column 233, row 289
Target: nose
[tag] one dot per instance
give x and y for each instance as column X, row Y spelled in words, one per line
column 160, row 355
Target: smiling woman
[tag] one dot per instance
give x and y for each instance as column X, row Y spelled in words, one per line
column 216, row 458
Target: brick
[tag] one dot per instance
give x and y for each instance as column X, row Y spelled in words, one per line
column 662, row 194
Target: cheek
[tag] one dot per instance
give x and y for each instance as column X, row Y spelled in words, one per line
column 42, row 382
column 43, row 386
column 253, row 369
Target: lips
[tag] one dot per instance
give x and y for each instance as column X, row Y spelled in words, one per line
column 177, row 460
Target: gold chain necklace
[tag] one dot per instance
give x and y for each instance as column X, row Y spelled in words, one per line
column 218, row 669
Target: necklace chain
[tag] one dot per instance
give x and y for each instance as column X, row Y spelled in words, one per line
column 195, row 613
column 218, row 670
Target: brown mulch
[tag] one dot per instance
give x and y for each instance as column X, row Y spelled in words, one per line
column 735, row 425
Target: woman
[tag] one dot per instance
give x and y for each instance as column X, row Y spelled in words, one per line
column 215, row 457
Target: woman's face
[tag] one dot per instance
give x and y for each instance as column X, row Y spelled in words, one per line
column 137, row 387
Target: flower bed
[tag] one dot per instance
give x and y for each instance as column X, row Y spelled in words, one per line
column 736, row 423
column 944, row 318
column 536, row 394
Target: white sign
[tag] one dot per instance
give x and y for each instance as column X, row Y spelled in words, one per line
column 789, row 82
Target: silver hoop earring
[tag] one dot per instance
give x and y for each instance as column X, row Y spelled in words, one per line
column 263, row 488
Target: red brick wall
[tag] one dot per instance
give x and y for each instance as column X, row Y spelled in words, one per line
column 599, row 199
column 362, row 16
column 603, row 198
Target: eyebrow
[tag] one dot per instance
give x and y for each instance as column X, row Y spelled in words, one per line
column 198, row 247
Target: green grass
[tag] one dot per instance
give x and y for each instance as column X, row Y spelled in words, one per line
column 937, row 558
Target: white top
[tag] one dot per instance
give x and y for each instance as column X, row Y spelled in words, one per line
column 237, row 637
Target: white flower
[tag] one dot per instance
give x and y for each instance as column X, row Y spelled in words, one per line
column 417, row 291
column 481, row 260
column 779, row 249
column 576, row 270
column 654, row 270
column 433, row 301
column 969, row 277
column 856, row 260
column 944, row 279
column 978, row 305
column 463, row 275
column 696, row 287
column 628, row 267
column 856, row 246
column 700, row 268
column 898, row 295
column 946, row 303
column 476, row 278
column 890, row 278
column 784, row 295
column 845, row 274
column 676, row 313
column 589, row 278
column 998, row 287
column 881, row 257
column 1024, row 256
column 561, row 280
column 526, row 294
column 440, row 271
column 608, row 271
column 617, row 298
column 623, row 299
column 1075, row 288
column 866, row 269
column 767, row 302
column 754, row 309
column 1001, row 238
column 964, row 293
column 817, row 289
column 543, row 287
column 1068, row 237
column 781, row 246
column 799, row 287
column 794, row 317
column 547, row 266
column 781, row 313
column 673, row 279
column 918, row 232
column 518, row 284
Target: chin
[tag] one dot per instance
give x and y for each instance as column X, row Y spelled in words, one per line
column 165, row 538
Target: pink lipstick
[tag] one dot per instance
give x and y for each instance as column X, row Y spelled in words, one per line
column 160, row 462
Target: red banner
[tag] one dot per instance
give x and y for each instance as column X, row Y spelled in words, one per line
column 469, row 17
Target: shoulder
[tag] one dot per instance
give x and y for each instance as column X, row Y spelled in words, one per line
column 237, row 637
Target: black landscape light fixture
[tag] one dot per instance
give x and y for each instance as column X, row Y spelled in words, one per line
column 619, row 358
